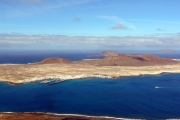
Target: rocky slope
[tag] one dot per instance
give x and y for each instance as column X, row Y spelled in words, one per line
column 131, row 60
column 54, row 60
column 115, row 59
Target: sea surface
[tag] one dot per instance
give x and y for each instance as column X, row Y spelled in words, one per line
column 145, row 97
column 25, row 57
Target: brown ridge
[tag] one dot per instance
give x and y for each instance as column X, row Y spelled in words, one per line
column 54, row 60
column 131, row 60
column 116, row 59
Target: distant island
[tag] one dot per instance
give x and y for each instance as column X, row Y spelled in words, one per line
column 108, row 53
column 112, row 66
column 167, row 51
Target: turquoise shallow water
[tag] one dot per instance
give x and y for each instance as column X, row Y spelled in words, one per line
column 150, row 97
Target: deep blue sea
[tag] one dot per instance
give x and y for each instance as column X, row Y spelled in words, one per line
column 149, row 97
column 24, row 57
column 146, row 97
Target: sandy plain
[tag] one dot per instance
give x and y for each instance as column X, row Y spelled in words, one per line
column 24, row 73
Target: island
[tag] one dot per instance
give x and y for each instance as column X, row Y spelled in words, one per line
column 167, row 51
column 114, row 65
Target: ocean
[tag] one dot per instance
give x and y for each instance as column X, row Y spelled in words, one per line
column 142, row 97
column 25, row 57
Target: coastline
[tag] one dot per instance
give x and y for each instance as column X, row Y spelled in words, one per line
column 58, row 80
column 55, row 116
column 19, row 74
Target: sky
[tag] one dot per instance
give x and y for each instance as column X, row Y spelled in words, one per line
column 89, row 24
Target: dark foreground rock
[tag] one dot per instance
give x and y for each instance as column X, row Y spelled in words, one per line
column 43, row 116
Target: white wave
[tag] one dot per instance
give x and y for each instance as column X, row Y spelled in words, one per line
column 45, row 81
column 7, row 112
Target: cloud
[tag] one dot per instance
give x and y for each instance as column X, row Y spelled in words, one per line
column 76, row 19
column 76, row 42
column 25, row 1
column 118, row 26
column 120, row 21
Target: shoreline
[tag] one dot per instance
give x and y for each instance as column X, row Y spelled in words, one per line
column 19, row 74
column 57, row 116
column 60, row 116
column 47, row 81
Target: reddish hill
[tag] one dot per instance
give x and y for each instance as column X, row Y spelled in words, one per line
column 55, row 60
column 131, row 60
